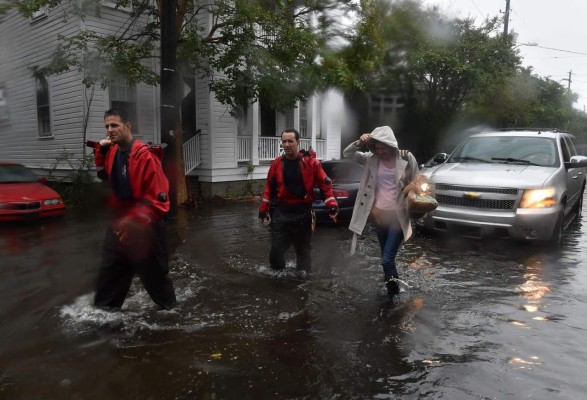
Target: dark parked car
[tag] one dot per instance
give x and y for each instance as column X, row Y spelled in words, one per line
column 24, row 196
column 345, row 176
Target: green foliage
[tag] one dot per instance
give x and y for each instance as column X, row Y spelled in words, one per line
column 437, row 64
column 354, row 66
column 528, row 100
column 250, row 170
column 447, row 70
column 76, row 187
column 28, row 7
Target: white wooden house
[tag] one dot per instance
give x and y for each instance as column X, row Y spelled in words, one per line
column 41, row 118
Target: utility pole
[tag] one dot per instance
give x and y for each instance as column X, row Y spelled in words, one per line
column 569, row 80
column 506, row 18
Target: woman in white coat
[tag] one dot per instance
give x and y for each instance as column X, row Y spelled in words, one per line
column 380, row 195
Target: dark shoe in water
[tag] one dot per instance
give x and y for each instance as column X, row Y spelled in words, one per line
column 392, row 286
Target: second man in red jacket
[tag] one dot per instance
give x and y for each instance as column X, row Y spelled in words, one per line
column 287, row 201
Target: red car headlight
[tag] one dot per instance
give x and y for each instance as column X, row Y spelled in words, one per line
column 51, row 202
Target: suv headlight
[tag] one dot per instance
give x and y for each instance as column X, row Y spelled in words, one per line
column 538, row 198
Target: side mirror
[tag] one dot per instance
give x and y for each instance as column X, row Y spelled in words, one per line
column 43, row 180
column 578, row 161
column 440, row 158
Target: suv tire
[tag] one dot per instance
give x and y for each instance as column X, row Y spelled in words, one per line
column 557, row 234
column 580, row 207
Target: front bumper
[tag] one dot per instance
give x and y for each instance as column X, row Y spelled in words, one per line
column 30, row 215
column 522, row 224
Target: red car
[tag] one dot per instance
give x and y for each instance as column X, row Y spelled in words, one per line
column 24, row 196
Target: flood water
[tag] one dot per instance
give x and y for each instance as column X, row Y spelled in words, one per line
column 478, row 320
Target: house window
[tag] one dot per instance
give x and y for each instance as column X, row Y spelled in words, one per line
column 3, row 104
column 303, row 119
column 43, row 109
column 124, row 97
column 382, row 106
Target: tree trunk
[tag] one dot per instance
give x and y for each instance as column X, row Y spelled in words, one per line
column 171, row 131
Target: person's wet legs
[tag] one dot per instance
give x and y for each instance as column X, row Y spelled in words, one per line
column 154, row 271
column 301, row 237
column 390, row 240
column 115, row 275
column 157, row 283
column 280, row 242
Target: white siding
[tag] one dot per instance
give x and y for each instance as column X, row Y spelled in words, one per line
column 23, row 44
column 203, row 121
column 289, row 119
column 223, row 135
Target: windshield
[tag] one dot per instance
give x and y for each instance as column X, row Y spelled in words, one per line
column 11, row 173
column 509, row 150
column 343, row 171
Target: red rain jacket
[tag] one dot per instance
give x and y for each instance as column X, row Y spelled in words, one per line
column 149, row 186
column 312, row 175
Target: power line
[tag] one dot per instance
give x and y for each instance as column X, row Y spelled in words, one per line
column 551, row 58
column 565, row 51
column 475, row 4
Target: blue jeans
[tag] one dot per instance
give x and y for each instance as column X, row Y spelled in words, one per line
column 390, row 240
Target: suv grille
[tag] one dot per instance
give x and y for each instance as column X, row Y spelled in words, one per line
column 442, row 186
column 475, row 203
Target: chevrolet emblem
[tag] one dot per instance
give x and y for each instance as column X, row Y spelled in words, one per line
column 472, row 195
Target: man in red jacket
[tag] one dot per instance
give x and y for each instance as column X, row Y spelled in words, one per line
column 135, row 242
column 290, row 193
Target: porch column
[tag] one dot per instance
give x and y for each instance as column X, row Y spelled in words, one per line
column 254, row 122
column 313, row 119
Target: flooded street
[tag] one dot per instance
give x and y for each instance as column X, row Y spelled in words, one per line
column 479, row 320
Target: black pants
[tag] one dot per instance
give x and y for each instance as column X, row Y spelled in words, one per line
column 148, row 259
column 284, row 233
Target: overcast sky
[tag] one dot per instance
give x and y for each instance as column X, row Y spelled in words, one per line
column 558, row 25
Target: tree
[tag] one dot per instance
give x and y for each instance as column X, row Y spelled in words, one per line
column 528, row 100
column 437, row 64
column 253, row 49
column 443, row 73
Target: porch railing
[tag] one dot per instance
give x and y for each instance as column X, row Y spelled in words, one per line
column 191, row 154
column 244, row 148
column 270, row 147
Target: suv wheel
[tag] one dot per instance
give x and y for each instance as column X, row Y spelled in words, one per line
column 580, row 206
column 557, row 235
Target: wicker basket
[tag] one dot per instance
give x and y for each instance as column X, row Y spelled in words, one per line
column 420, row 204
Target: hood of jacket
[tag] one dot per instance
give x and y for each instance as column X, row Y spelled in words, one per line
column 385, row 135
column 137, row 148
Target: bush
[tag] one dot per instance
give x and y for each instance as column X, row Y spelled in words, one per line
column 78, row 187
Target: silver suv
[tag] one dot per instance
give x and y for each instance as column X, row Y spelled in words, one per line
column 520, row 184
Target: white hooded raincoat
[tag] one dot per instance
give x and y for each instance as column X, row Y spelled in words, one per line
column 406, row 172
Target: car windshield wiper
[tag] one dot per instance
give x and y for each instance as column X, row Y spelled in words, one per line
column 457, row 159
column 514, row 160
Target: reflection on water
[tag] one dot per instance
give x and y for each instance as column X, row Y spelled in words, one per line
column 475, row 320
